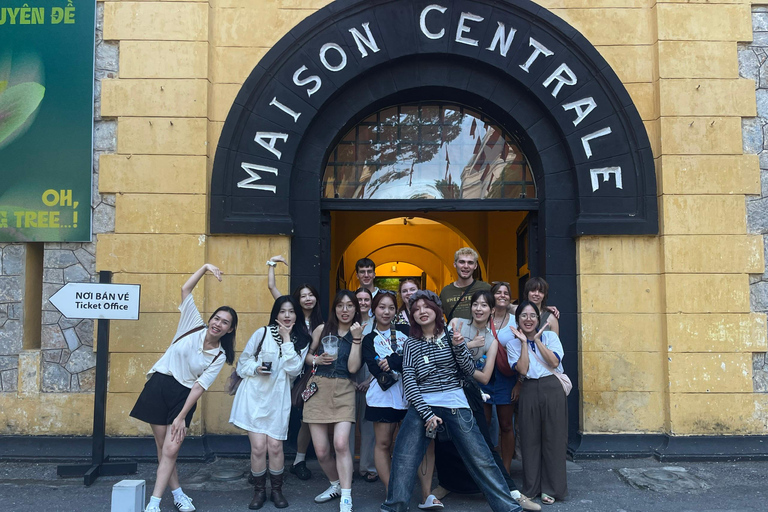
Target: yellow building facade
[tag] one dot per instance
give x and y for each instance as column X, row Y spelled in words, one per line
column 666, row 331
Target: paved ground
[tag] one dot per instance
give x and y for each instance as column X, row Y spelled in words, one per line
column 594, row 485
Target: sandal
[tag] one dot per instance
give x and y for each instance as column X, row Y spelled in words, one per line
column 431, row 503
column 546, row 499
column 370, row 477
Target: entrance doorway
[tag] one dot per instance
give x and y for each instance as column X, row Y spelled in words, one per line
column 422, row 245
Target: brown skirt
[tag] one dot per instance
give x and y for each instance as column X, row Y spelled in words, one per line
column 334, row 401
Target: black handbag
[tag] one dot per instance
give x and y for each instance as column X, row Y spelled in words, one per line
column 473, row 393
column 470, row 386
column 386, row 380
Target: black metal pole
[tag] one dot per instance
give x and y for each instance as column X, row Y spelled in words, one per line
column 99, row 463
column 102, row 366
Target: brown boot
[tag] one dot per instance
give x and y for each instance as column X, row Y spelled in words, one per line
column 259, row 492
column 276, row 496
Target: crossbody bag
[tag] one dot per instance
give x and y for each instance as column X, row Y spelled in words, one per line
column 565, row 381
column 502, row 361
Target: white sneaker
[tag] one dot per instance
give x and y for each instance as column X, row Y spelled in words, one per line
column 334, row 491
column 184, row 503
column 345, row 506
column 152, row 508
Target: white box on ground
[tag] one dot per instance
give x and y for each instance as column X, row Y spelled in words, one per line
column 128, row 496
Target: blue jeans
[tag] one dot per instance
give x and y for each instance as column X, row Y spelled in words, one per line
column 412, row 442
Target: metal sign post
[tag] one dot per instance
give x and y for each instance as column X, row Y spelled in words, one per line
column 100, row 463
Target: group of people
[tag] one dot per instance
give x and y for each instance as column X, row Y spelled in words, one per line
column 421, row 373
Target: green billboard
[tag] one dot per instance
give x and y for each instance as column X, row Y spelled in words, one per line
column 46, row 119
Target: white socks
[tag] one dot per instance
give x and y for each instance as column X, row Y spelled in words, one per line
column 177, row 493
column 299, row 458
column 346, row 495
column 154, row 501
column 515, row 494
column 264, row 472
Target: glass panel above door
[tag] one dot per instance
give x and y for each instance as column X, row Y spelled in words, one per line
column 428, row 151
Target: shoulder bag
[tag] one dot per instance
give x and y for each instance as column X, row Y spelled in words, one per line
column 298, row 388
column 502, row 360
column 192, row 330
column 196, row 329
column 470, row 386
column 234, row 380
column 561, row 376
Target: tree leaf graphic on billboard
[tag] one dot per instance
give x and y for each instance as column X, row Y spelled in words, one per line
column 17, row 103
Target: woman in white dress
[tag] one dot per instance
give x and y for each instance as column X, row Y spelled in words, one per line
column 273, row 357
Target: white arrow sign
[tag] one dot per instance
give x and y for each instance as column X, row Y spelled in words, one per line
column 98, row 300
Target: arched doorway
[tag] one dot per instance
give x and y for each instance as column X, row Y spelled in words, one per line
column 516, row 63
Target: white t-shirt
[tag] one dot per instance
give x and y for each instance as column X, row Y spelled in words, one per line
column 451, row 399
column 393, row 397
column 185, row 360
column 535, row 369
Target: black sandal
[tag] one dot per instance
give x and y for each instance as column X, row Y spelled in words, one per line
column 370, row 477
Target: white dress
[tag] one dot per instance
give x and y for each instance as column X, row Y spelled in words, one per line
column 263, row 402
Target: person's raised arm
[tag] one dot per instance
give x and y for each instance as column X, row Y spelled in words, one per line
column 549, row 355
column 187, row 288
column 521, row 365
column 410, row 387
column 463, row 356
column 369, row 355
column 484, row 376
column 354, row 362
column 554, row 325
column 271, row 276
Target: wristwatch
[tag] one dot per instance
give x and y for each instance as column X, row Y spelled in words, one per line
column 271, row 263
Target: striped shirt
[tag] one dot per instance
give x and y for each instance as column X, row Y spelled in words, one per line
column 430, row 367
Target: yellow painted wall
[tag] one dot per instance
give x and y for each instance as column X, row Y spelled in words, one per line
column 666, row 330
column 666, row 333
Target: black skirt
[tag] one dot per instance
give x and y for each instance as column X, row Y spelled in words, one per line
column 161, row 401
column 384, row 414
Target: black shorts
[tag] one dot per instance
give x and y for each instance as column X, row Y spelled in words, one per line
column 384, row 414
column 161, row 401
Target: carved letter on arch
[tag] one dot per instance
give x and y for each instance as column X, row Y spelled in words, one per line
column 329, row 57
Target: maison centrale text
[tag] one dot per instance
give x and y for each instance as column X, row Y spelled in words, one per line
column 432, row 23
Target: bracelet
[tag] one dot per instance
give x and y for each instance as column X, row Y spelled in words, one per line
column 357, row 343
column 356, row 339
column 271, row 263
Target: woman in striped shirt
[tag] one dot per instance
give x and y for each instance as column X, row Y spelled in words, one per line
column 432, row 363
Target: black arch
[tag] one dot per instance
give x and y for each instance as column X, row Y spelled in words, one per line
column 409, row 69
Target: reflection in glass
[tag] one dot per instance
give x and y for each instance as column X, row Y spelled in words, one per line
column 427, row 151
